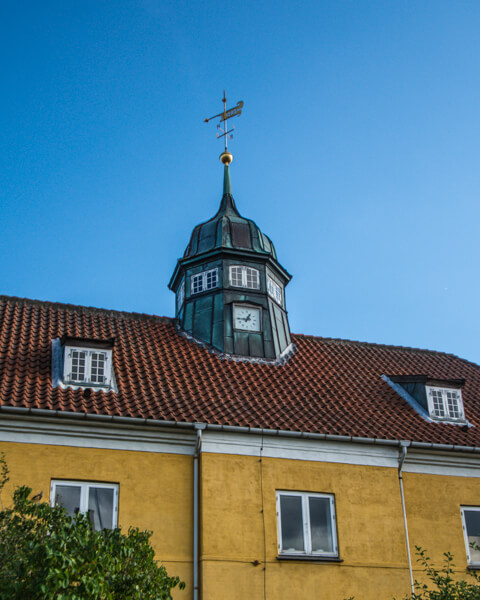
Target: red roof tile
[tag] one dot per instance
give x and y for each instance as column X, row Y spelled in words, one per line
column 328, row 386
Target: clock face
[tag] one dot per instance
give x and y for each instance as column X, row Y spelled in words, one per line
column 246, row 318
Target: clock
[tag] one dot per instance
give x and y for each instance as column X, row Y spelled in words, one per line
column 246, row 318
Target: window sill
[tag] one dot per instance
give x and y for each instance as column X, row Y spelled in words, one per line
column 448, row 420
column 474, row 567
column 310, row 558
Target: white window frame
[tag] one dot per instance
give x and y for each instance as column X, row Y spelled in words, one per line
column 274, row 290
column 244, row 272
column 444, row 392
column 84, row 490
column 203, row 279
column 306, row 525
column 465, row 534
column 89, row 352
column 181, row 295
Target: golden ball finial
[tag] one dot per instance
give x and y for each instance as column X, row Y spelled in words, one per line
column 226, row 158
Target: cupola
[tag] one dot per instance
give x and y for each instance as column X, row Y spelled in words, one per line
column 230, row 287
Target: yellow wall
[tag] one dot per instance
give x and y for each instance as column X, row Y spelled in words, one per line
column 369, row 519
column 433, row 512
column 239, row 522
column 155, row 491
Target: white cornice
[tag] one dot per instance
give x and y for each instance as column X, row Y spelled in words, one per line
column 142, row 437
column 58, row 432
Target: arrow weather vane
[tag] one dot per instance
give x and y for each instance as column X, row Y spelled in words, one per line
column 236, row 111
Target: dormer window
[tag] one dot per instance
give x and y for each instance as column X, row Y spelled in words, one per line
column 89, row 367
column 435, row 399
column 445, row 403
column 202, row 282
column 244, row 277
column 83, row 363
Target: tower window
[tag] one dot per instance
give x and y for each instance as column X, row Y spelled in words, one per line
column 245, row 277
column 204, row 281
column 181, row 295
column 274, row 290
column 445, row 403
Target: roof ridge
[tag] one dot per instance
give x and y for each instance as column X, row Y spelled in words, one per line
column 157, row 319
column 343, row 341
column 88, row 309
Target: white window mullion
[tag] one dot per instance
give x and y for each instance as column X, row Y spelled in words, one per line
column 88, row 366
column 279, row 524
column 306, row 525
column 334, row 526
column 84, row 499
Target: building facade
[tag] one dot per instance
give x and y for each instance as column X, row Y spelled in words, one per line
column 267, row 464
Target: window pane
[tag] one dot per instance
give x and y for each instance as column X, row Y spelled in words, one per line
column 291, row 524
column 100, row 507
column 78, row 365
column 438, row 407
column 197, row 283
column 236, row 276
column 181, row 294
column 253, row 278
column 274, row 290
column 453, row 404
column 68, row 496
column 472, row 523
column 97, row 374
column 321, row 524
column 211, row 279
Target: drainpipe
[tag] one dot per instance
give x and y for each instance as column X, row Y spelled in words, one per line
column 199, row 427
column 401, row 460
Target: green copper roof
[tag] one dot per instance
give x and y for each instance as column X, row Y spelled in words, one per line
column 228, row 229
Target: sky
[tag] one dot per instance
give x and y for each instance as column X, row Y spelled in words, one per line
column 357, row 153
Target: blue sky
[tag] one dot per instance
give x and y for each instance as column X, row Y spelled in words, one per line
column 357, row 153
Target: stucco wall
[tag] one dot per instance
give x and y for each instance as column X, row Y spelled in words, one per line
column 239, row 522
column 369, row 523
column 155, row 491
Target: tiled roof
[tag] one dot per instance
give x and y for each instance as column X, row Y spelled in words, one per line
column 328, row 386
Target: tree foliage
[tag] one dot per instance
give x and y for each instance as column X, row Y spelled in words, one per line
column 444, row 585
column 46, row 554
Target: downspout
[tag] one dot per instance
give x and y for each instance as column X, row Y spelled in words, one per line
column 199, row 427
column 401, row 460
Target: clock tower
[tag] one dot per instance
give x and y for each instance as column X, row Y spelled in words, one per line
column 229, row 285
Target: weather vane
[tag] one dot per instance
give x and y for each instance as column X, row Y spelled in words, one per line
column 226, row 157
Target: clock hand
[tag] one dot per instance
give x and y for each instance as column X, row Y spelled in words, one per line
column 247, row 318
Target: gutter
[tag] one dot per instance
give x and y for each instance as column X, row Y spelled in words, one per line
column 196, row 521
column 41, row 412
column 401, row 461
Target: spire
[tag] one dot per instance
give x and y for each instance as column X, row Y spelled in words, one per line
column 227, row 186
